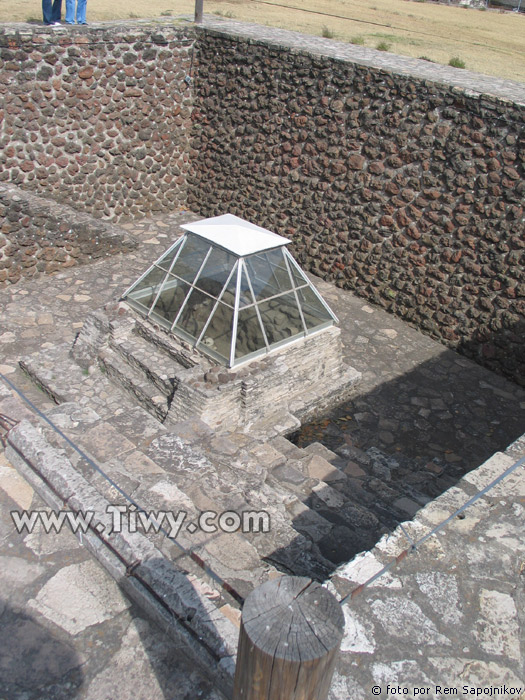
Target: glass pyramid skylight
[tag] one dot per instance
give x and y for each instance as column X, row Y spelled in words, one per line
column 232, row 290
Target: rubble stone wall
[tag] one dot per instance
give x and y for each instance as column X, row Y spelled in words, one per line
column 408, row 191
column 39, row 236
column 97, row 116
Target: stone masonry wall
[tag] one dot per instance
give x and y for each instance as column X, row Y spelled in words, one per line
column 97, row 117
column 408, row 191
column 39, row 236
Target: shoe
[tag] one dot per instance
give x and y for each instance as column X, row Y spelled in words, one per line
column 56, row 24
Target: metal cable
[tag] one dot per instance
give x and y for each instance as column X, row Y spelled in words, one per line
column 414, row 545
column 193, row 556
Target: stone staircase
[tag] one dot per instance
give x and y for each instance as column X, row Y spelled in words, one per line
column 324, row 506
column 148, row 367
column 354, row 498
column 172, row 380
column 335, row 510
column 150, row 391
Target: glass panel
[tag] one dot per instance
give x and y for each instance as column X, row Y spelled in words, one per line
column 313, row 311
column 297, row 275
column 218, row 335
column 170, row 299
column 281, row 318
column 195, row 313
column 191, row 258
column 165, row 263
column 216, row 271
column 268, row 274
column 146, row 290
column 249, row 334
column 265, row 286
column 229, row 293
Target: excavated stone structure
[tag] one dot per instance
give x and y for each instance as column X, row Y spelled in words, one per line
column 173, row 381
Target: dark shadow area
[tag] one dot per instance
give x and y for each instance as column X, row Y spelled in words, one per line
column 501, row 350
column 156, row 659
column 446, row 410
column 398, row 447
column 35, row 664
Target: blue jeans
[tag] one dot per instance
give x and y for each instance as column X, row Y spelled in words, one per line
column 81, row 11
column 51, row 11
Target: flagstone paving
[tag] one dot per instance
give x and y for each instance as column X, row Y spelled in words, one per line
column 66, row 629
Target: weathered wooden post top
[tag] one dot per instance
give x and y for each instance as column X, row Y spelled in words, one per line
column 291, row 630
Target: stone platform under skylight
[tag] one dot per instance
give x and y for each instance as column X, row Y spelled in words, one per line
column 226, row 327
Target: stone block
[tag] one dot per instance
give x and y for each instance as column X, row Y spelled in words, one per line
column 320, row 468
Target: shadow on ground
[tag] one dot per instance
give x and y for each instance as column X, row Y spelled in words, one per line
column 34, row 663
column 502, row 351
column 400, row 446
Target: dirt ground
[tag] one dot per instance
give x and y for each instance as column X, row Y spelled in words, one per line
column 490, row 41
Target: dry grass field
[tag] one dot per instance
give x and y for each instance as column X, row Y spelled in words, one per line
column 491, row 41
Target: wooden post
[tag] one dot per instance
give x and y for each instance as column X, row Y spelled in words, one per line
column 198, row 11
column 291, row 630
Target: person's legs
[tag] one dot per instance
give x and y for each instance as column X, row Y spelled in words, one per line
column 81, row 11
column 56, row 11
column 70, row 11
column 46, row 11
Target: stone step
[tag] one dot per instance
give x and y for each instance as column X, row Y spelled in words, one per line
column 286, row 447
column 276, row 424
column 319, row 450
column 235, row 484
column 360, row 478
column 186, row 357
column 60, row 377
column 56, row 373
column 134, row 383
column 415, row 474
column 157, row 367
column 339, row 527
column 373, row 477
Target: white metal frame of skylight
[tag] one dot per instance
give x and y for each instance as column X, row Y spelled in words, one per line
column 249, row 292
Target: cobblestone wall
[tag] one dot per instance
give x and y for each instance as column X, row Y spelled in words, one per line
column 40, row 236
column 97, row 117
column 407, row 191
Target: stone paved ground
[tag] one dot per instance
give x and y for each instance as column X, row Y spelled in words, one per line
column 451, row 615
column 66, row 630
column 406, row 377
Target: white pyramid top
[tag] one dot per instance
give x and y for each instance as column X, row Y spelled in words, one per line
column 236, row 235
